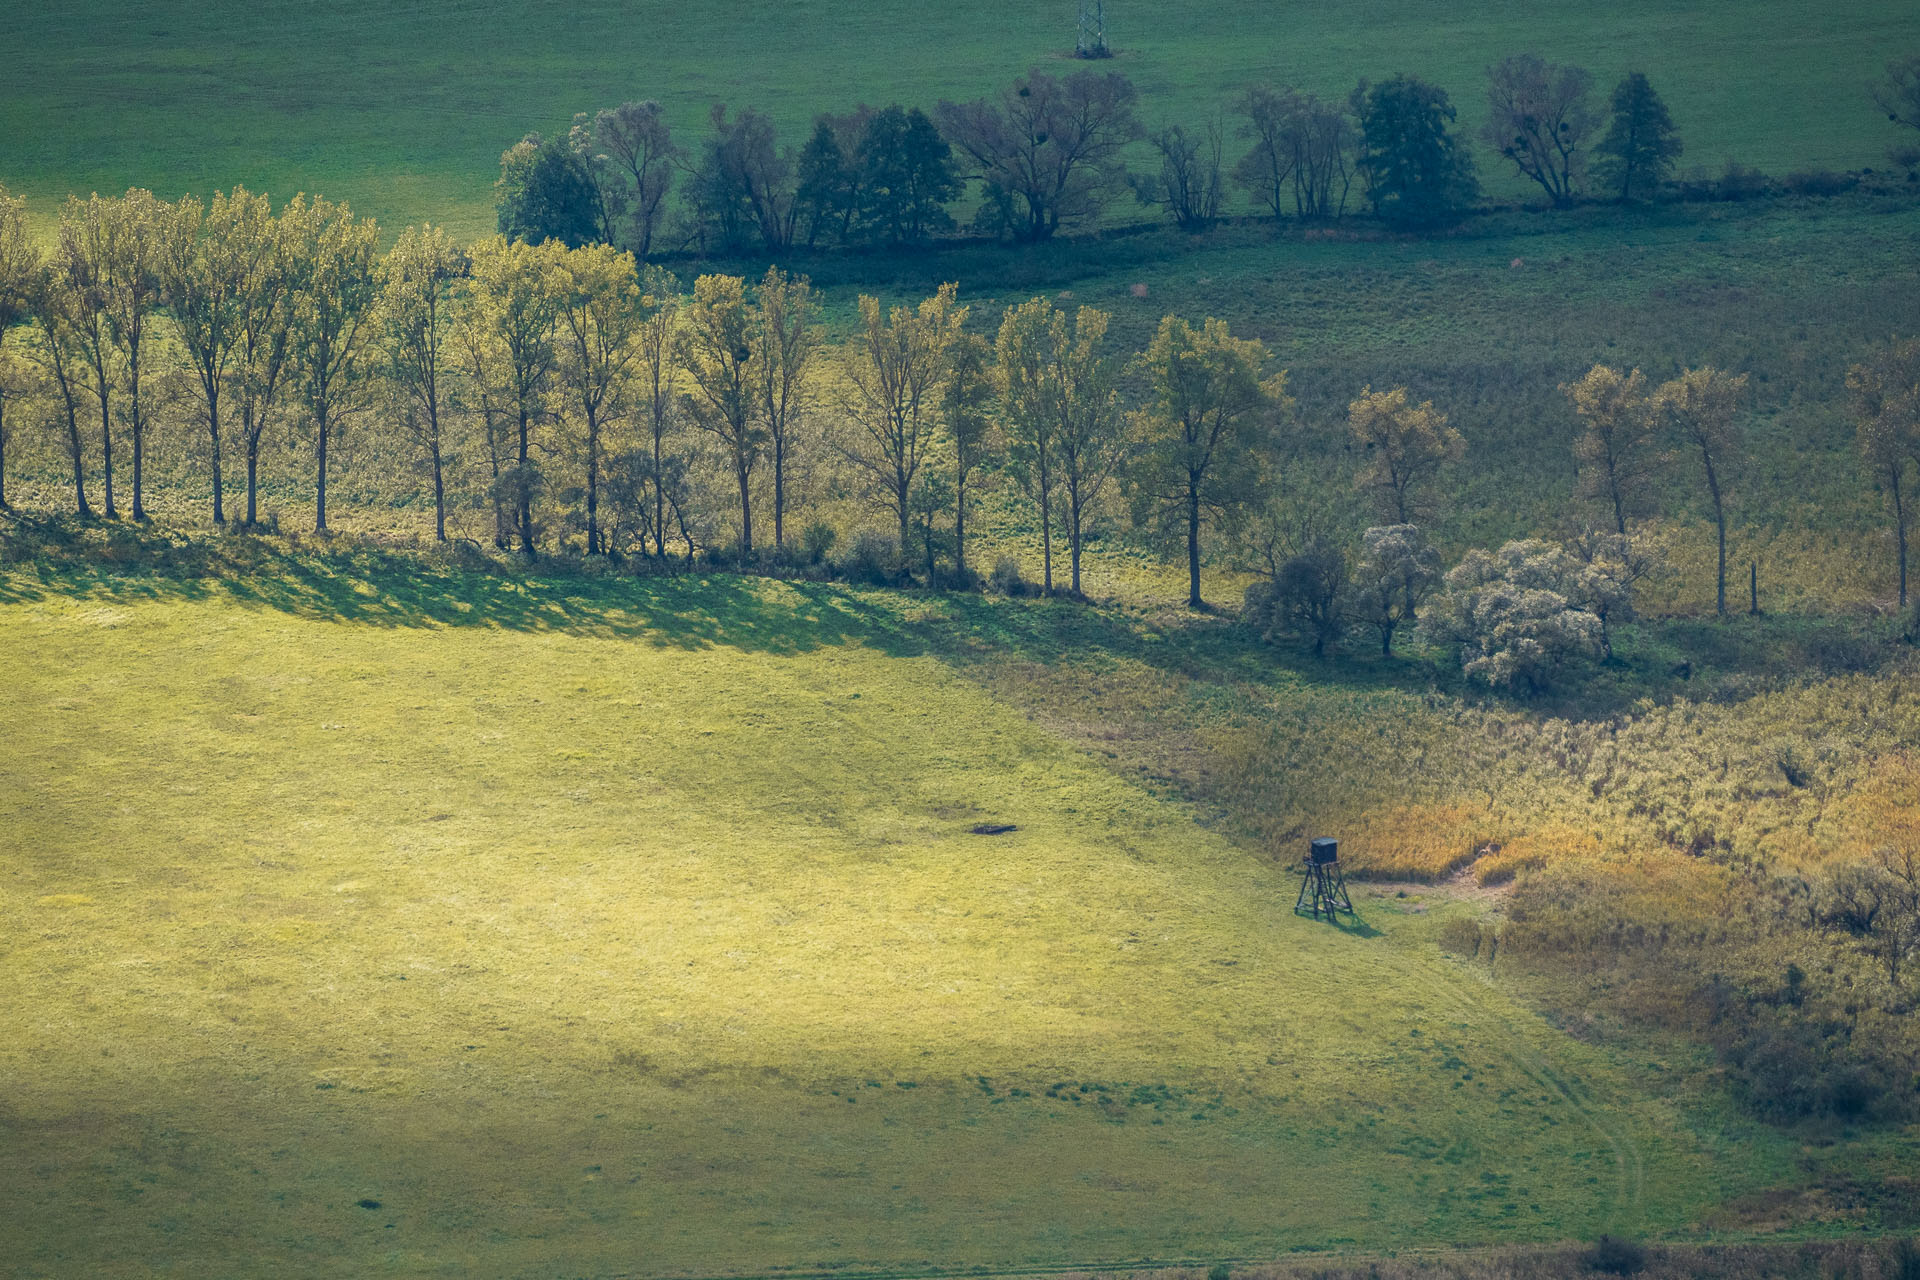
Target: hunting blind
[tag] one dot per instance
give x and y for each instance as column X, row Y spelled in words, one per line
column 1323, row 887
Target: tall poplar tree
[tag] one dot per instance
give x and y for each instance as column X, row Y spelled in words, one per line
column 417, row 311
column 334, row 259
column 1206, row 429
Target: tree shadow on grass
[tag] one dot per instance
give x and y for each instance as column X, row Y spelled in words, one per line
column 366, row 585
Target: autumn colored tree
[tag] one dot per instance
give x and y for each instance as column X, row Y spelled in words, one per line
column 1885, row 395
column 894, row 371
column 785, row 340
column 19, row 266
column 1699, row 409
column 84, row 260
column 600, row 314
column 1405, row 446
column 1613, row 447
column 203, row 274
column 1206, row 429
column 417, row 311
column 966, row 412
column 659, row 377
column 265, row 259
column 512, row 304
column 717, row 352
column 1029, row 392
column 58, row 308
column 106, row 253
column 333, row 266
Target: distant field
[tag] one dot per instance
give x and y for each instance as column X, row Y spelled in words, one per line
column 403, row 108
column 452, row 925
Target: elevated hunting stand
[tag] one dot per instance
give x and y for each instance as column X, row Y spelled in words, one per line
column 1322, row 886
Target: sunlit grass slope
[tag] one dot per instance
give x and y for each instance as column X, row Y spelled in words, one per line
column 651, row 939
column 404, row 108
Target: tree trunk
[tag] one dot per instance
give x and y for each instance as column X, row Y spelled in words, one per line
column 659, row 497
column 3, row 451
column 1193, row 546
column 1386, row 641
column 1073, row 539
column 106, row 453
column 137, row 423
column 252, row 438
column 593, row 483
column 213, row 432
column 525, row 486
column 1619, row 506
column 139, row 462
column 780, row 490
column 1046, row 542
column 746, row 512
column 75, row 451
column 959, row 525
column 1720, row 524
column 320, row 489
column 439, row 490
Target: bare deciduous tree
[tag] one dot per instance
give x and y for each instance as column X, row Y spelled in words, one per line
column 636, row 140
column 1188, row 184
column 1302, row 151
column 1539, row 116
column 1047, row 150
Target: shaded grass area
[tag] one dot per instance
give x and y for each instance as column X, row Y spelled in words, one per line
column 640, row 926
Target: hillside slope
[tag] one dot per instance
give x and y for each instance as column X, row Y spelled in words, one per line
column 647, row 935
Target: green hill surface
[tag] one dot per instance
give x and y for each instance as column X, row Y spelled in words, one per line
column 640, row 930
column 403, row 108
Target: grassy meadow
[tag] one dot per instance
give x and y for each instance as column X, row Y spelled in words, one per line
column 386, row 917
column 403, row 109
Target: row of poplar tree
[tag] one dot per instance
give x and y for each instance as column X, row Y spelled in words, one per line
column 582, row 360
column 296, row 317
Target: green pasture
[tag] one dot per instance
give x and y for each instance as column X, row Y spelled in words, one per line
column 361, row 923
column 403, row 107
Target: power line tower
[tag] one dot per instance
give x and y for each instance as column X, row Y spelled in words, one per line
column 1092, row 41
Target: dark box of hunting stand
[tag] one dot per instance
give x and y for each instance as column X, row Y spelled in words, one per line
column 1323, row 851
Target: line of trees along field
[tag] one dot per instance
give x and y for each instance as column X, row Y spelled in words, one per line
column 1048, row 154
column 611, row 404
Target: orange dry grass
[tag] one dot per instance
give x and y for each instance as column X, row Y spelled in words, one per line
column 1534, row 850
column 1415, row 842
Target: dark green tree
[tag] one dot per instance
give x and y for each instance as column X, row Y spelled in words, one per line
column 828, row 193
column 905, row 177
column 1641, row 145
column 1416, row 173
column 543, row 193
